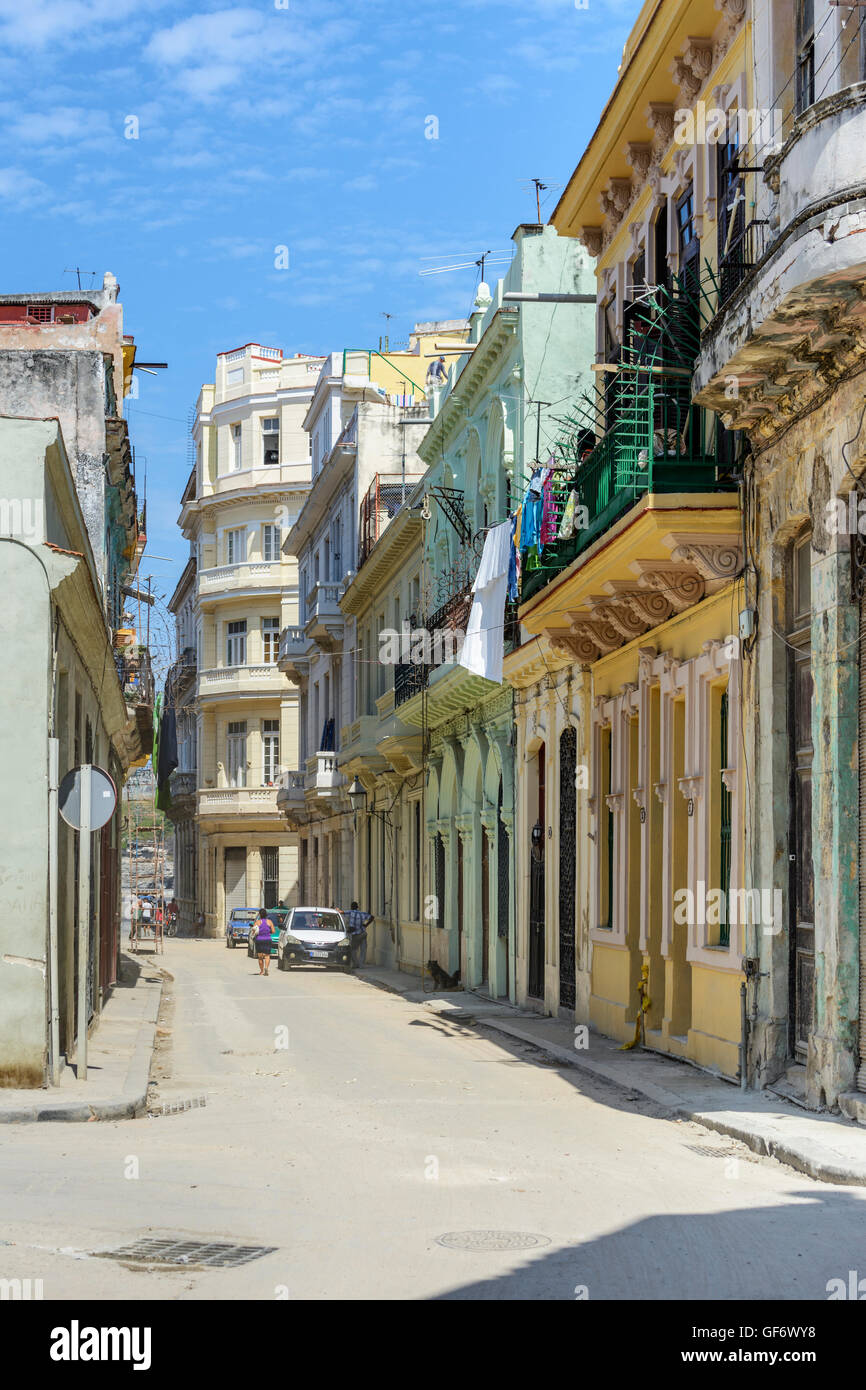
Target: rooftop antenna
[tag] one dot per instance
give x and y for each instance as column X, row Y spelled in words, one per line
column 387, row 317
column 540, row 186
column 493, row 257
column 78, row 272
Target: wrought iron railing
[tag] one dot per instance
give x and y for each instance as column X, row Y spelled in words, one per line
column 659, row 440
column 409, row 678
column 135, row 675
column 380, row 504
column 744, row 250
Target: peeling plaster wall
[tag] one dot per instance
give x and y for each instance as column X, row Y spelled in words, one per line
column 68, row 386
column 23, row 816
column 796, row 477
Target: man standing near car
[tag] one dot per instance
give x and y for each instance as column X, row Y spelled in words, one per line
column 357, row 921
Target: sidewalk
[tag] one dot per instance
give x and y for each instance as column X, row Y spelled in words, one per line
column 118, row 1058
column 827, row 1147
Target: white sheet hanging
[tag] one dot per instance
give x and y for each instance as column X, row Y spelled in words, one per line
column 485, row 642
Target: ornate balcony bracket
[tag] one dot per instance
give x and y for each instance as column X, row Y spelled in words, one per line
column 680, row 584
column 714, row 557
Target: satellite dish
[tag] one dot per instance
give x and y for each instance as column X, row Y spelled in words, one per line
column 103, row 798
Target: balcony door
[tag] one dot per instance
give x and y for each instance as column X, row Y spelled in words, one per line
column 236, row 753
column 235, row 879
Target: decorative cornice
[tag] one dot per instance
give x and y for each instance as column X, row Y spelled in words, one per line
column 591, row 239
column 681, row 585
column 714, row 557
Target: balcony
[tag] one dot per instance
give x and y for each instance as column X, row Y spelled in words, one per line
column 382, row 501
column 323, row 777
column 657, row 441
column 290, row 793
column 238, row 801
column 182, row 786
column 325, row 622
column 794, row 324
column 181, row 675
column 231, row 581
column 293, row 658
column 241, row 680
column 409, row 679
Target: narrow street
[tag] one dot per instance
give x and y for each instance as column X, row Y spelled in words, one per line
column 377, row 1131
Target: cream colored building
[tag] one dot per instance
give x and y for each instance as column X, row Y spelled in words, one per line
column 250, row 481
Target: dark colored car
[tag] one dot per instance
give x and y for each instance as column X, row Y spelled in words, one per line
column 238, row 926
column 278, row 917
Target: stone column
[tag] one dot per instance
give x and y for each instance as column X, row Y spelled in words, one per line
column 835, row 848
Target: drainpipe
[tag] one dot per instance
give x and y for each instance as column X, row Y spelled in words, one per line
column 744, row 1035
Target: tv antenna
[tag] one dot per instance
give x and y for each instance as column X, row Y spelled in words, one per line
column 487, row 257
column 540, row 186
column 78, row 272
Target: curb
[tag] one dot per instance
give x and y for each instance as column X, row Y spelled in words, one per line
column 132, row 1102
column 767, row 1145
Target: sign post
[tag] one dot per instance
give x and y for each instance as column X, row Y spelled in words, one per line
column 83, row 920
column 87, row 799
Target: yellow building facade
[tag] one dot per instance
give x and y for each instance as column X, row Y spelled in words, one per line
column 634, row 906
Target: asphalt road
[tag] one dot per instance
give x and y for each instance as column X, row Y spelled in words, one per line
column 350, row 1130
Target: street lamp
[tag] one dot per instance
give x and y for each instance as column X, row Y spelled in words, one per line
column 357, row 795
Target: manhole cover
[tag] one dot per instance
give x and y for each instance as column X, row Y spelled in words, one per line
column 491, row 1240
column 214, row 1253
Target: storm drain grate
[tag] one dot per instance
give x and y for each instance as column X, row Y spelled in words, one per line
column 176, row 1107
column 215, row 1254
column 708, row 1151
column 491, row 1240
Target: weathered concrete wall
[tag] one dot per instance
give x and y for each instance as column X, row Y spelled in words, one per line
column 796, row 477
column 24, row 647
column 68, row 386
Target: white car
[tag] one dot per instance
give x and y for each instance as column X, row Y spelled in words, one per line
column 314, row 936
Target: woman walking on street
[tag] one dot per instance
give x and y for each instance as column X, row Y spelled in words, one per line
column 264, row 928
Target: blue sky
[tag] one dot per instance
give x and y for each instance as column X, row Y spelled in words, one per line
column 282, row 122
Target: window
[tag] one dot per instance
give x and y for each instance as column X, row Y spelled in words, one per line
column 236, row 753
column 725, row 823
column 606, row 877
column 236, row 644
column 271, row 440
column 416, row 861
column 272, row 540
column 270, row 876
column 270, row 640
column 236, row 456
column 661, row 268
column 270, row 751
column 805, row 54
column 42, row 313
column 236, row 546
column 686, row 235
column 731, row 224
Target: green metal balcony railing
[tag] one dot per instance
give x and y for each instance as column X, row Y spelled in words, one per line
column 656, row 439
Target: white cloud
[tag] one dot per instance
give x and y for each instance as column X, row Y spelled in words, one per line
column 365, row 183
column 38, row 24
column 20, row 190
column 61, row 125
